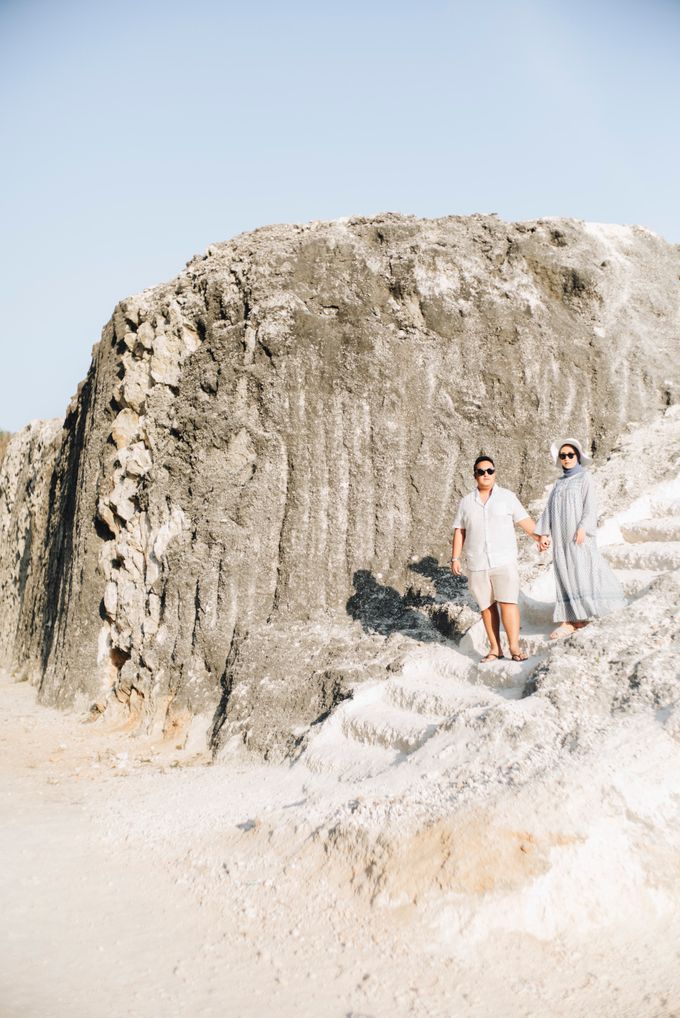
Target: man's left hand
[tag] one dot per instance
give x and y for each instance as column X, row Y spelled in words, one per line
column 580, row 535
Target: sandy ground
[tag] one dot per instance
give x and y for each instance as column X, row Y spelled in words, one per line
column 138, row 881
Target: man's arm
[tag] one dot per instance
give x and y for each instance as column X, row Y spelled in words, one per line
column 458, row 542
column 529, row 527
column 523, row 520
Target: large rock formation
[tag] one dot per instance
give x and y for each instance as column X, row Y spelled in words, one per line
column 268, row 447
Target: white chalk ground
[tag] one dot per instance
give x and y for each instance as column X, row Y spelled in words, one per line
column 434, row 852
column 130, row 886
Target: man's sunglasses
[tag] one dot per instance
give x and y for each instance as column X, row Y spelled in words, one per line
column 567, row 455
column 480, row 472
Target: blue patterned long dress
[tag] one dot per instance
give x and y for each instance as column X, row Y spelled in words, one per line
column 586, row 585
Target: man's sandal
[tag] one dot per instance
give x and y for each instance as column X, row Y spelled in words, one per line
column 491, row 657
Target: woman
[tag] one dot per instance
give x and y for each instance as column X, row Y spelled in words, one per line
column 586, row 585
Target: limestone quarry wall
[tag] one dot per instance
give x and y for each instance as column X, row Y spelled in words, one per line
column 289, row 424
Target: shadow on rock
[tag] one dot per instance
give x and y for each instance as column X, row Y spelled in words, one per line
column 434, row 608
column 382, row 609
column 449, row 587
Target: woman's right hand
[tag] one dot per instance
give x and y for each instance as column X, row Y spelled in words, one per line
column 456, row 568
column 544, row 543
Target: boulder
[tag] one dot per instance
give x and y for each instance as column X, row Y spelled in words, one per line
column 271, row 441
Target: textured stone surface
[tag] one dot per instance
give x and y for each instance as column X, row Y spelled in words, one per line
column 4, row 442
column 280, row 435
column 25, row 575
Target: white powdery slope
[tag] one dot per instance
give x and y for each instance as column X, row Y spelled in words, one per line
column 547, row 813
column 133, row 889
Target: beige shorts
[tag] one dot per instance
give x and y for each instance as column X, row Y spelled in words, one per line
column 489, row 585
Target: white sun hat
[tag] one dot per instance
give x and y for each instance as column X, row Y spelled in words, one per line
column 556, row 446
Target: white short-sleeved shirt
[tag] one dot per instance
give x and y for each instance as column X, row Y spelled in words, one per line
column 490, row 527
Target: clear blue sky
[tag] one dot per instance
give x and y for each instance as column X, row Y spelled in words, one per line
column 136, row 133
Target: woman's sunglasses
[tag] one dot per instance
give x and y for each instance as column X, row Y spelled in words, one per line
column 489, row 471
column 567, row 455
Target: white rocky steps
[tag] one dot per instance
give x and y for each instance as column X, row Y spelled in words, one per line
column 665, row 507
column 634, row 581
column 651, row 546
column 664, row 528
column 387, row 723
column 381, row 724
column 424, row 697
column 347, row 759
column 659, row 556
column 506, row 674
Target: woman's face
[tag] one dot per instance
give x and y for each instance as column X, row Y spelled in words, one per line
column 568, row 456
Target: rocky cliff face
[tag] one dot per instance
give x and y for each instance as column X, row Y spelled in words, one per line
column 267, row 452
column 27, row 472
column 4, row 442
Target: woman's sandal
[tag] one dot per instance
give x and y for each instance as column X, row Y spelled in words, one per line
column 519, row 656
column 491, row 657
column 566, row 629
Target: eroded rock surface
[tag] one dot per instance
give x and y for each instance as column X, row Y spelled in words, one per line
column 26, row 579
column 279, row 436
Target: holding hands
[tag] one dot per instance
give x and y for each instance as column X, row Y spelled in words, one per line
column 579, row 538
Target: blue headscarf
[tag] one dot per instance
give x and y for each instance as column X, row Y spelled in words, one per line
column 573, row 471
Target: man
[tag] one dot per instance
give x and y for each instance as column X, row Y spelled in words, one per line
column 484, row 523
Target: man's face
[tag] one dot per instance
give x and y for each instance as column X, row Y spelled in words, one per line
column 485, row 475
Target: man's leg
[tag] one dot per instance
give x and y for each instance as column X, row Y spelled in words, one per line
column 510, row 616
column 493, row 628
